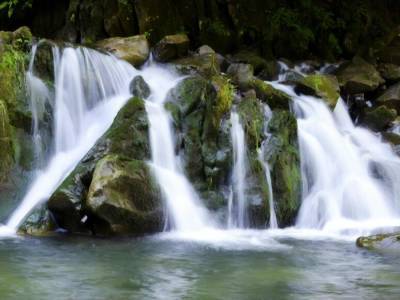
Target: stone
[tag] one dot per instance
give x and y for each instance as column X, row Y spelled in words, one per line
column 323, row 86
column 379, row 118
column 124, row 195
column 139, row 88
column 358, row 76
column 134, row 49
column 390, row 72
column 381, row 242
column 391, row 97
column 273, row 97
column 171, row 47
column 241, row 74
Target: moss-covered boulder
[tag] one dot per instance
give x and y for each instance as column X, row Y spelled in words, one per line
column 379, row 118
column 207, row 65
column 390, row 72
column 276, row 99
column 388, row 242
column 284, row 160
column 358, row 76
column 6, row 150
column 125, row 196
column 323, row 86
column 128, row 138
column 391, row 97
column 38, row 223
column 171, row 47
column 134, row 49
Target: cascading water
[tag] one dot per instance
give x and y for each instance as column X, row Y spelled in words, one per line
column 237, row 208
column 349, row 175
column 273, row 222
column 185, row 211
column 90, row 88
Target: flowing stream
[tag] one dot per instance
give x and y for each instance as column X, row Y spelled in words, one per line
column 350, row 177
column 238, row 216
column 90, row 88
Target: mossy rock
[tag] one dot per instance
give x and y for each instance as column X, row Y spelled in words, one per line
column 241, row 75
column 385, row 242
column 391, row 97
column 139, row 88
column 38, row 223
column 276, row 99
column 125, row 196
column 128, row 138
column 284, row 160
column 392, row 138
column 379, row 118
column 252, row 119
column 390, row 72
column 134, row 49
column 323, row 86
column 206, row 65
column 171, row 47
column 358, row 76
column 6, row 149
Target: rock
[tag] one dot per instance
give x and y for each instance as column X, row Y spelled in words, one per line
column 273, row 97
column 171, row 47
column 38, row 223
column 392, row 138
column 134, row 49
column 379, row 118
column 6, row 150
column 284, row 160
column 128, row 138
column 241, row 74
column 389, row 241
column 205, row 64
column 252, row 58
column 323, row 86
column 292, row 77
column 139, row 88
column 43, row 63
column 203, row 50
column 270, row 71
column 358, row 76
column 391, row 97
column 390, row 72
column 125, row 196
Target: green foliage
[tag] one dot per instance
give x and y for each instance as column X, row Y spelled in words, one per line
column 12, row 5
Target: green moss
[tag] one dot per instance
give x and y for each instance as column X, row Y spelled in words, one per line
column 273, row 97
column 223, row 101
column 324, row 86
column 6, row 153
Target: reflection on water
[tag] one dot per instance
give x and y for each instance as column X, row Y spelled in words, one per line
column 166, row 267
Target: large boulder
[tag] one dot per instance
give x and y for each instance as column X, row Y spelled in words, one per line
column 171, row 47
column 388, row 242
column 323, row 86
column 134, row 49
column 358, row 76
column 390, row 72
column 128, row 138
column 208, row 64
column 391, row 97
column 125, row 196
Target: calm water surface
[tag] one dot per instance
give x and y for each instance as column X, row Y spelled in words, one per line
column 158, row 268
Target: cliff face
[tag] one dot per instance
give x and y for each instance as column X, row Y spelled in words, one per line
column 278, row 28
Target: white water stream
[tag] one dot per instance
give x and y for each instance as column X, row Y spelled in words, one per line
column 350, row 177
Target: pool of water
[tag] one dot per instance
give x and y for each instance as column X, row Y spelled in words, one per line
column 165, row 267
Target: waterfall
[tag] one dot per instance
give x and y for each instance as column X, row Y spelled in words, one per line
column 350, row 177
column 184, row 208
column 238, row 215
column 273, row 222
column 90, row 88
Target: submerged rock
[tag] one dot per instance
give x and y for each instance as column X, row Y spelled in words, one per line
column 171, row 47
column 134, row 49
column 125, row 196
column 359, row 76
column 323, row 86
column 389, row 241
